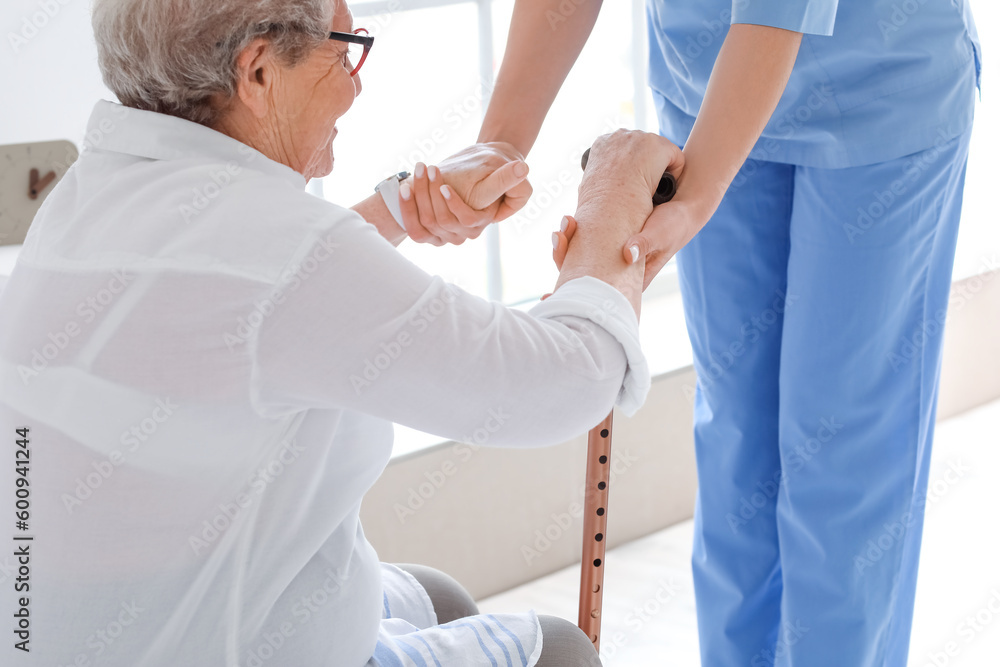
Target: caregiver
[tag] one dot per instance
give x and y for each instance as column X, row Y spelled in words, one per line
column 814, row 272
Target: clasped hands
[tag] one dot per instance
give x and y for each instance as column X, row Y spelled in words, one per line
column 458, row 198
column 486, row 183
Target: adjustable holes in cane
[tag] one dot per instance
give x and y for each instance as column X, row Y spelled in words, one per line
column 601, row 486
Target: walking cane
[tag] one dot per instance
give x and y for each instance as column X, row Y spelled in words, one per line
column 595, row 503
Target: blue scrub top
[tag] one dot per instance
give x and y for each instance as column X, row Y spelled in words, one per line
column 874, row 79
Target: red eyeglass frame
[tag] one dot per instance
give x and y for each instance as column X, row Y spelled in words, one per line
column 365, row 40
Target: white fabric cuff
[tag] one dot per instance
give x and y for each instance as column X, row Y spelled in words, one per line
column 599, row 302
column 389, row 189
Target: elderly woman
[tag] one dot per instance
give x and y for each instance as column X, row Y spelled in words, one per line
column 202, row 362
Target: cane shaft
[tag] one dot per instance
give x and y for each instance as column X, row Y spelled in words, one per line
column 595, row 517
column 595, row 522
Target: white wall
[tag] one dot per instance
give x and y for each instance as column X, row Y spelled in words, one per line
column 50, row 81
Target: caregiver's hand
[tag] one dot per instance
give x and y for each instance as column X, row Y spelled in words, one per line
column 457, row 199
column 668, row 229
column 615, row 199
column 560, row 243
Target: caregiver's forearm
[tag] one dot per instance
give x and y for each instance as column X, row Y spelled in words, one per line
column 544, row 40
column 375, row 212
column 747, row 82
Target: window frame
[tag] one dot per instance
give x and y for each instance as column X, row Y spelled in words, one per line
column 491, row 236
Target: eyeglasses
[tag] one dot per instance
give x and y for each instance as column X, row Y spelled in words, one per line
column 358, row 47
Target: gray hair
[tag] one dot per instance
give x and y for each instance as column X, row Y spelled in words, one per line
column 178, row 57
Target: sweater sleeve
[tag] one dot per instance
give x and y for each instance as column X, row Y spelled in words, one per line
column 366, row 329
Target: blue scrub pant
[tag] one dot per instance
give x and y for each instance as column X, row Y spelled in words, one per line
column 815, row 302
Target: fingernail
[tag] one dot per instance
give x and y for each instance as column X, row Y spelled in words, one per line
column 635, row 253
column 563, row 224
column 445, row 192
column 418, row 171
column 521, row 170
column 555, row 240
column 432, row 172
column 404, row 191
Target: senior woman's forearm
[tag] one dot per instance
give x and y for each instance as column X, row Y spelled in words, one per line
column 375, row 213
column 594, row 251
column 545, row 38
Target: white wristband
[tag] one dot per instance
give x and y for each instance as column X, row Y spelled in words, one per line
column 389, row 189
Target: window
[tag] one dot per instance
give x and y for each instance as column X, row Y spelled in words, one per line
column 423, row 99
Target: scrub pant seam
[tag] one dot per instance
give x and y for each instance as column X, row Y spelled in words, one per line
column 781, row 462
column 796, row 172
column 921, row 374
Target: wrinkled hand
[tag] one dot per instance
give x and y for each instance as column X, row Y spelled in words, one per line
column 667, row 230
column 622, row 173
column 623, row 170
column 456, row 200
